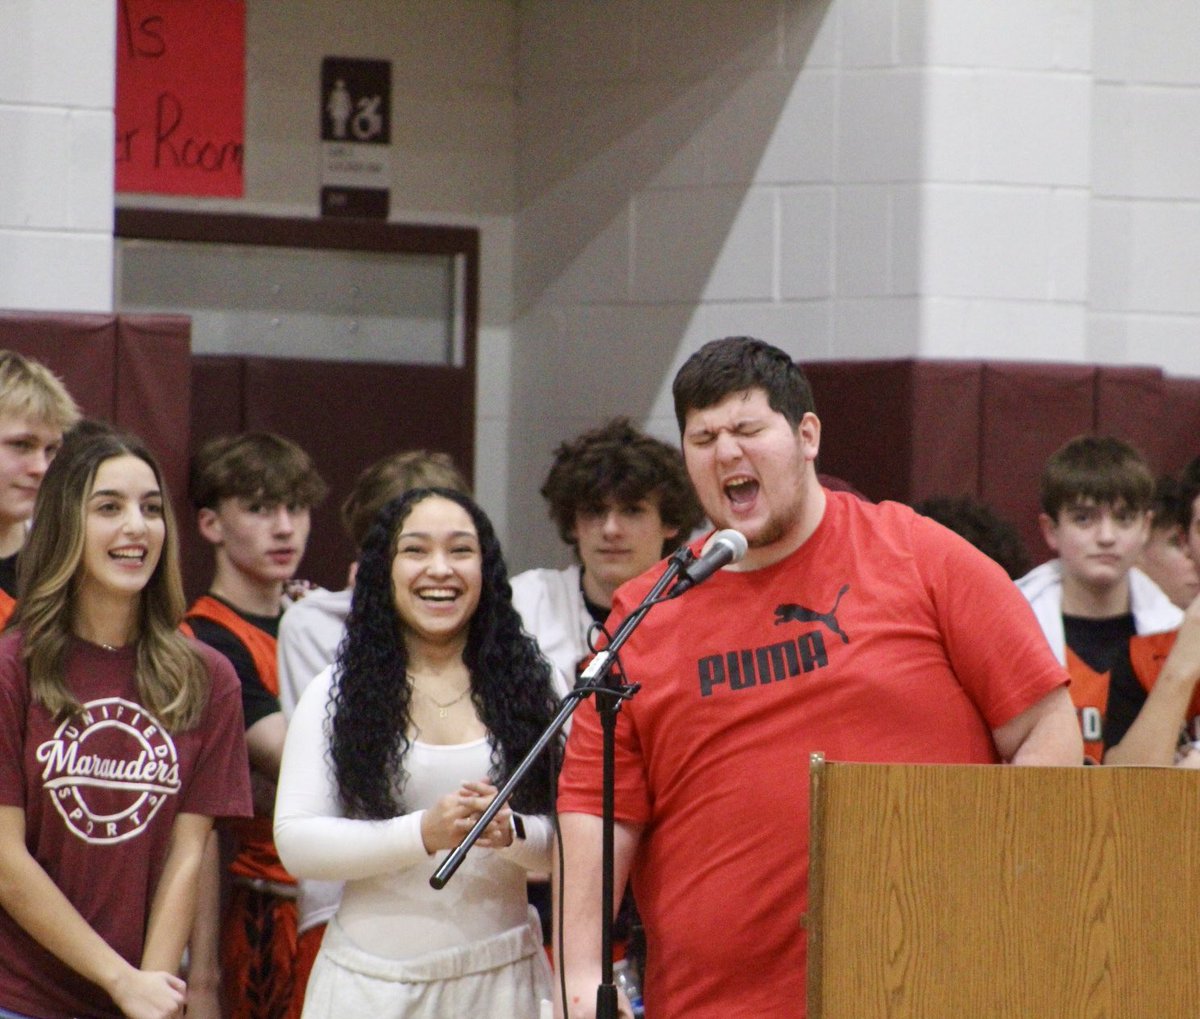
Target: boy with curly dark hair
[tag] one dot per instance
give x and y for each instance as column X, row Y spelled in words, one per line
column 622, row 501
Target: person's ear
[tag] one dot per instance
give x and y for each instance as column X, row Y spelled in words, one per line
column 809, row 432
column 1049, row 528
column 208, row 523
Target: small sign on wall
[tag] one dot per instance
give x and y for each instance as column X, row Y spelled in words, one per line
column 356, row 135
column 181, row 86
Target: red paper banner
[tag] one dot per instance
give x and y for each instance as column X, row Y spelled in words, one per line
column 181, row 88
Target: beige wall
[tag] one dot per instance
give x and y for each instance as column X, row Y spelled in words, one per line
column 452, row 154
column 847, row 178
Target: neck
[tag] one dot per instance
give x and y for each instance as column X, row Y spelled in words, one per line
column 596, row 592
column 247, row 595
column 12, row 537
column 1094, row 603
column 112, row 624
column 812, row 511
column 435, row 660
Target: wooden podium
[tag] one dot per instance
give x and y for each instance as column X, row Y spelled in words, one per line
column 967, row 891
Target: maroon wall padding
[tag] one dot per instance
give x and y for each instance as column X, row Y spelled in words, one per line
column 865, row 409
column 132, row 371
column 1179, row 443
column 1129, row 405
column 1029, row 410
column 217, row 408
column 346, row 415
column 901, row 430
column 80, row 349
column 218, row 397
column 909, row 430
column 945, row 435
column 153, row 377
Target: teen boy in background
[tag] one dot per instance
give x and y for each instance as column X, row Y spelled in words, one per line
column 35, row 411
column 253, row 495
column 1096, row 493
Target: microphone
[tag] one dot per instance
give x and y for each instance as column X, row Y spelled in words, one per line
column 723, row 548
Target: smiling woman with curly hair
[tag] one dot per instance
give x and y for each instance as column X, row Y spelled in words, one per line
column 392, row 755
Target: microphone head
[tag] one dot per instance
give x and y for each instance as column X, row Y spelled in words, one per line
column 733, row 540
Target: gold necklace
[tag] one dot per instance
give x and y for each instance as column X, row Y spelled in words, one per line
column 443, row 709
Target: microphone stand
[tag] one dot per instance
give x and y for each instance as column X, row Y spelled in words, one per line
column 610, row 693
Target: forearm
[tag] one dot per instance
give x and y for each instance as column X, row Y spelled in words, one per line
column 204, row 963
column 345, row 849
column 35, row 902
column 1154, row 735
column 173, row 909
column 264, row 743
column 582, row 887
column 1045, row 734
column 532, row 853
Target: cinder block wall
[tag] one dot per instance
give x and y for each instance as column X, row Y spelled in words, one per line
column 848, row 178
column 57, row 82
column 1144, row 250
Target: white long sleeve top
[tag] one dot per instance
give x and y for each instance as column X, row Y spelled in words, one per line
column 388, row 906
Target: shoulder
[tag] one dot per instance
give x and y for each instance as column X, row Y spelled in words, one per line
column 842, row 509
column 12, row 668
column 320, row 604
column 889, row 528
column 314, row 697
column 221, row 674
column 10, row 644
column 1152, row 608
column 541, row 579
column 1041, row 579
column 532, row 586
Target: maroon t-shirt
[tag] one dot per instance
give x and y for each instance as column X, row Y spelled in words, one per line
column 101, row 792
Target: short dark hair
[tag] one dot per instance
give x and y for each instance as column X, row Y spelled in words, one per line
column 994, row 536
column 736, row 364
column 254, row 465
column 390, row 477
column 1189, row 490
column 1170, row 509
column 616, row 463
column 1097, row 468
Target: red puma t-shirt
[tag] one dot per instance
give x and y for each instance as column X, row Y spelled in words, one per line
column 883, row 638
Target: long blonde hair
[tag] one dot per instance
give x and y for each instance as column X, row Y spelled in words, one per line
column 172, row 679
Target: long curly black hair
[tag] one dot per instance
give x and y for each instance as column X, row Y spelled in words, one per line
column 369, row 705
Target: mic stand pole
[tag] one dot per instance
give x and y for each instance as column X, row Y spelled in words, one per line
column 596, row 679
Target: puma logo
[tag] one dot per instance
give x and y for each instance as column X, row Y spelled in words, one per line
column 792, row 613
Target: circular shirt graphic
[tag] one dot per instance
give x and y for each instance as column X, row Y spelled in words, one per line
column 109, row 769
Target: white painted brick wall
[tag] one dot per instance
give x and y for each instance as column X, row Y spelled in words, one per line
column 1144, row 257
column 57, row 82
column 848, row 178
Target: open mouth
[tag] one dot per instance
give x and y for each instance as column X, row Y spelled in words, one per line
column 133, row 556
column 438, row 595
column 742, row 491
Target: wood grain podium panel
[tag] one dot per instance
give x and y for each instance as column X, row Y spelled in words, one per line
column 988, row 891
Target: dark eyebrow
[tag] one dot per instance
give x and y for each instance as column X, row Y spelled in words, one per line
column 153, row 493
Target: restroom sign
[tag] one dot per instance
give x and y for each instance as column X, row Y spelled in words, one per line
column 356, row 134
